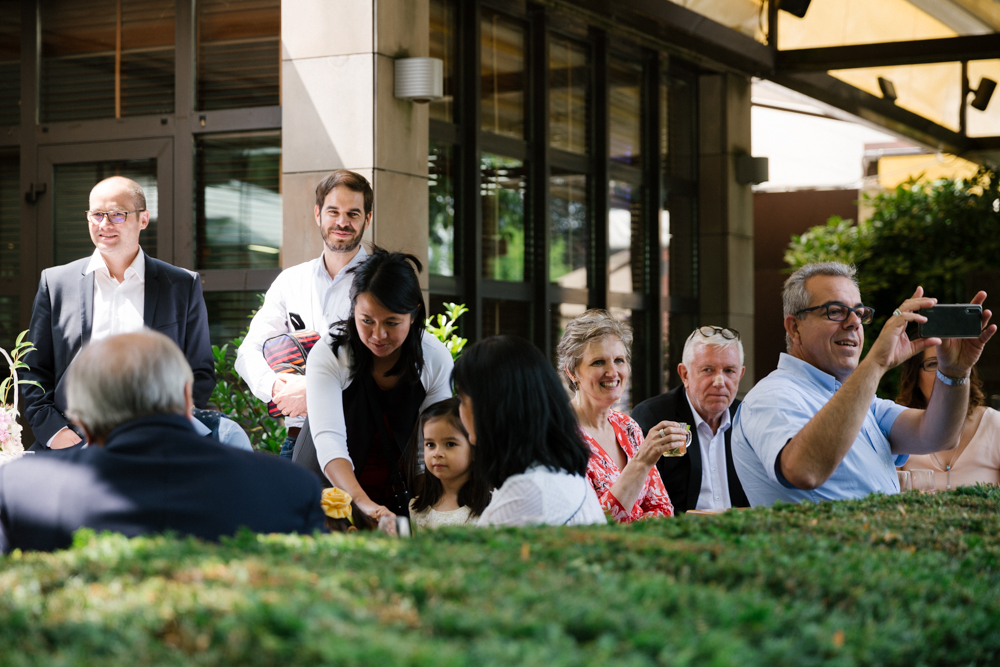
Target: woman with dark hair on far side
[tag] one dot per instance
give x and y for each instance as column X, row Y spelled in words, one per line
column 527, row 442
column 977, row 457
column 369, row 378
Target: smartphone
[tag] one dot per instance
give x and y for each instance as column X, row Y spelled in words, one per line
column 951, row 320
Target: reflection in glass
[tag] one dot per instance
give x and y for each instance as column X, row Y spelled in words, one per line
column 442, row 45
column 10, row 63
column 238, row 53
column 625, row 238
column 95, row 66
column 229, row 314
column 569, row 86
column 10, row 217
column 625, row 83
column 441, row 208
column 568, row 229
column 71, row 197
column 506, row 318
column 238, row 201
column 503, row 184
column 502, row 73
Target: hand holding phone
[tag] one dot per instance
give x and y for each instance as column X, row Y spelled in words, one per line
column 951, row 320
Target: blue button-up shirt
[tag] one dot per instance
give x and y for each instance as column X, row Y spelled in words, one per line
column 778, row 407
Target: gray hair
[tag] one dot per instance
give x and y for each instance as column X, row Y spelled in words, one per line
column 796, row 297
column 125, row 377
column 594, row 324
column 715, row 340
column 133, row 189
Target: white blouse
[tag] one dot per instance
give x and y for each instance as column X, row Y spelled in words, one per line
column 327, row 376
column 541, row 495
column 429, row 518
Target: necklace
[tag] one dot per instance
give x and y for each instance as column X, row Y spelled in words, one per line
column 954, row 457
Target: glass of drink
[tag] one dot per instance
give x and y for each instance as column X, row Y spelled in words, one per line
column 681, row 450
column 904, row 480
column 923, row 480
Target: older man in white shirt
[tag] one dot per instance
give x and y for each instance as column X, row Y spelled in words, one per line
column 312, row 295
column 118, row 289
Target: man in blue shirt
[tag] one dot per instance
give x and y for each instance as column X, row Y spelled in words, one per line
column 814, row 429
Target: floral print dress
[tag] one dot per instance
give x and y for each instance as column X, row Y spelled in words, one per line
column 603, row 473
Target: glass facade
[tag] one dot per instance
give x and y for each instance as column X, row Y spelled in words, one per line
column 502, row 197
column 441, row 205
column 238, row 53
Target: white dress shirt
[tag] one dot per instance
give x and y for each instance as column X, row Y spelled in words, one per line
column 307, row 290
column 714, row 478
column 118, row 307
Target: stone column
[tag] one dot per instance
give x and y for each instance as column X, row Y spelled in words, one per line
column 338, row 112
column 725, row 256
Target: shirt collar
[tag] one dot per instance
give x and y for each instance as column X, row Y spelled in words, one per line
column 138, row 265
column 698, row 421
column 796, row 366
column 320, row 267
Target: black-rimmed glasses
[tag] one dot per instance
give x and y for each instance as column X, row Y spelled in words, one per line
column 838, row 312
column 114, row 217
column 727, row 333
column 929, row 365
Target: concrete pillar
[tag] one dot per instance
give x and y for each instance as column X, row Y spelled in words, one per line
column 338, row 112
column 725, row 220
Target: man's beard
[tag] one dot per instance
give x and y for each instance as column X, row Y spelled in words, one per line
column 348, row 245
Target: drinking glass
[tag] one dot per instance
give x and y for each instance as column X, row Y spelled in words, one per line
column 923, row 480
column 904, row 480
column 682, row 450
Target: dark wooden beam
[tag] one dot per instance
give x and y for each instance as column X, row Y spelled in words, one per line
column 890, row 54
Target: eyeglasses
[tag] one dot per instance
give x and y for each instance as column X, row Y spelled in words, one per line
column 838, row 312
column 929, row 365
column 709, row 331
column 114, row 217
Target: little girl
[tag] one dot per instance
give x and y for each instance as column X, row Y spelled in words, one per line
column 447, row 490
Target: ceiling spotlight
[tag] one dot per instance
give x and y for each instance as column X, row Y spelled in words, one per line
column 888, row 90
column 983, row 94
column 794, row 7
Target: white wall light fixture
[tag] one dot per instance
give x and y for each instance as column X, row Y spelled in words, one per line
column 419, row 80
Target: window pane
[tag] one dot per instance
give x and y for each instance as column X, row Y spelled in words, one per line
column 503, row 183
column 229, row 315
column 441, row 207
column 681, row 98
column 569, row 87
column 10, row 218
column 71, row 197
column 237, row 187
column 443, row 46
column 569, row 229
column 506, row 318
column 502, row 73
column 626, row 239
column 625, row 82
column 80, row 67
column 238, row 53
column 10, row 62
column 562, row 314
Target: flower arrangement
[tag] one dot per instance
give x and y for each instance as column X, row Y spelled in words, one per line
column 10, row 430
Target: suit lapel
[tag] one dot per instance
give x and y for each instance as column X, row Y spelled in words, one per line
column 151, row 293
column 694, row 452
column 736, row 492
column 86, row 304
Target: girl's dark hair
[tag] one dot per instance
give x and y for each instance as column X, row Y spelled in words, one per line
column 390, row 278
column 911, row 396
column 474, row 494
column 521, row 411
column 361, row 521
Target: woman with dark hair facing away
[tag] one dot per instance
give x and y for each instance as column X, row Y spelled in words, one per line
column 595, row 354
column 369, row 378
column 527, row 443
column 977, row 457
column 447, row 490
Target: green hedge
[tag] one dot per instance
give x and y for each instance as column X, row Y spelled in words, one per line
column 905, row 580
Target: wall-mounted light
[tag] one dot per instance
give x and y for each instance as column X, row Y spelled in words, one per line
column 794, row 7
column 751, row 170
column 419, row 80
column 983, row 94
column 888, row 90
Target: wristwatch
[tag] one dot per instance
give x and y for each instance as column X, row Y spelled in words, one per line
column 952, row 382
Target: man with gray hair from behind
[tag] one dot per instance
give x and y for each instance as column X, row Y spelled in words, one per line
column 710, row 371
column 146, row 469
column 813, row 429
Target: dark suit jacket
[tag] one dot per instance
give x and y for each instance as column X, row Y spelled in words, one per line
column 682, row 475
column 153, row 475
column 61, row 321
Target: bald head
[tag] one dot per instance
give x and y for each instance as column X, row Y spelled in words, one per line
column 124, row 189
column 122, row 378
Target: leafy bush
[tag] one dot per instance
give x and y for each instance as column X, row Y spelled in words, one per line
column 901, row 580
column 447, row 325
